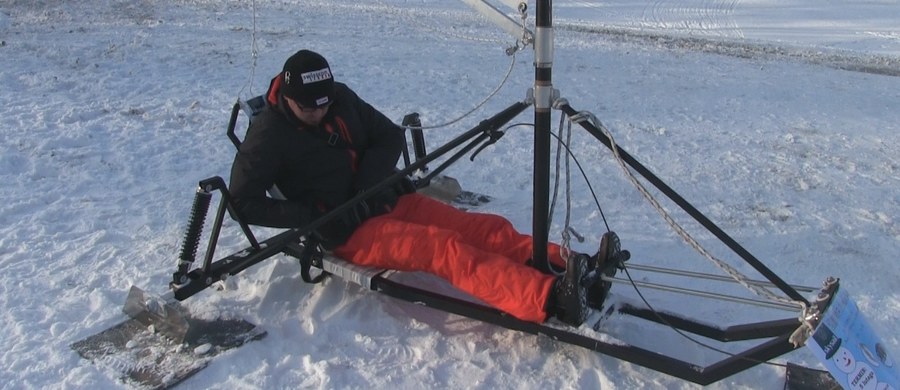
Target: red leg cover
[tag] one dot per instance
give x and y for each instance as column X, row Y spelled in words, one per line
column 481, row 254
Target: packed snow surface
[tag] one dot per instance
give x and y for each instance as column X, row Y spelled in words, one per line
column 778, row 119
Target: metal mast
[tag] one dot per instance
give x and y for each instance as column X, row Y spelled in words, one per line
column 543, row 101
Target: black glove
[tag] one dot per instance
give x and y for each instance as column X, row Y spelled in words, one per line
column 405, row 186
column 384, row 201
column 338, row 230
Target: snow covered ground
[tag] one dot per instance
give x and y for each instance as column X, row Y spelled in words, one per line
column 779, row 119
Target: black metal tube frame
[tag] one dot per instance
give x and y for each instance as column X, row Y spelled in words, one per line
column 210, row 272
column 543, row 69
column 690, row 209
column 777, row 332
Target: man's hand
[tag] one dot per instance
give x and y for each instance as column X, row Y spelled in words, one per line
column 385, row 201
column 339, row 229
column 382, row 202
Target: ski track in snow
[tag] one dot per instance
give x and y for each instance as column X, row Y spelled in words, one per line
column 711, row 26
column 113, row 110
column 707, row 17
column 711, row 18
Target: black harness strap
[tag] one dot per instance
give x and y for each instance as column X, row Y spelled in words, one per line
column 333, row 140
column 309, row 253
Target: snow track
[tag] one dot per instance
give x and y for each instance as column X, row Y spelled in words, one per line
column 696, row 17
column 832, row 58
column 709, row 26
column 713, row 26
column 710, row 18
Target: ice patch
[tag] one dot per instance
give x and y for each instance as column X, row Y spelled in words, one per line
column 5, row 21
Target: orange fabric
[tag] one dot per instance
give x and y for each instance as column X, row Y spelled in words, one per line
column 481, row 254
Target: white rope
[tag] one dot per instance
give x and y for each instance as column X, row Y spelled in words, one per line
column 567, row 231
column 254, row 55
column 564, row 242
column 442, row 31
column 511, row 51
column 734, row 273
column 512, row 64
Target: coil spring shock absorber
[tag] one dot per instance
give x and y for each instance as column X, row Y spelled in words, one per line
column 192, row 236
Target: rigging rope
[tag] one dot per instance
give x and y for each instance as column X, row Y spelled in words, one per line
column 519, row 45
column 568, row 231
column 731, row 271
column 442, row 31
column 512, row 64
column 254, row 55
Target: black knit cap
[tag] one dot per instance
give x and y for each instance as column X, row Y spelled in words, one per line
column 307, row 79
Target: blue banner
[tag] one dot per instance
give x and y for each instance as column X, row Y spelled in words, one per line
column 850, row 350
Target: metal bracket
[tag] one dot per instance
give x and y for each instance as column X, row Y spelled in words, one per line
column 499, row 18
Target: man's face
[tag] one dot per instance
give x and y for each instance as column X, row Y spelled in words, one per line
column 308, row 115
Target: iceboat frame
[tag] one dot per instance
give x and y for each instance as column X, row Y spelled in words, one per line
column 190, row 278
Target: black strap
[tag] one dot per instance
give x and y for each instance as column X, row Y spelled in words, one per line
column 333, row 140
column 311, row 256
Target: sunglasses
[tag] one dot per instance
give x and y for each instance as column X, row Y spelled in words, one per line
column 310, row 110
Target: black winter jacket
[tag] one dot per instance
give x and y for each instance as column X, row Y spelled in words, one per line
column 313, row 175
